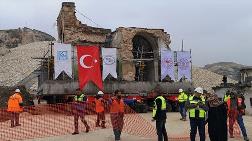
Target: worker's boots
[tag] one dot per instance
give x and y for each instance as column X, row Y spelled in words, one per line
column 87, row 129
column 97, row 124
column 103, row 124
column 75, row 133
column 12, row 124
column 246, row 139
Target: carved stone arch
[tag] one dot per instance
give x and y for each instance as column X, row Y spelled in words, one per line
column 144, row 50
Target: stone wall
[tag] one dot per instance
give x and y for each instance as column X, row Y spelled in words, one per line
column 71, row 30
column 122, row 39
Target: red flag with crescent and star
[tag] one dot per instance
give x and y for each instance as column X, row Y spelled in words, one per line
column 89, row 65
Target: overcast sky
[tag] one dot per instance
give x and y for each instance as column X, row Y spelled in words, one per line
column 215, row 30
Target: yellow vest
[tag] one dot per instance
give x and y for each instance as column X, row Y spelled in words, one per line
column 182, row 97
column 202, row 113
column 163, row 106
column 80, row 98
column 226, row 97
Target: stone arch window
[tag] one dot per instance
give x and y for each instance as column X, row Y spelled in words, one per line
column 144, row 46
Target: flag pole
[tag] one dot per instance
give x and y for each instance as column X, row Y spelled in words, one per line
column 182, row 45
column 191, row 64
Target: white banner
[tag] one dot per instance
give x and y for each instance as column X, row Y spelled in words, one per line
column 184, row 64
column 62, row 59
column 167, row 64
column 109, row 62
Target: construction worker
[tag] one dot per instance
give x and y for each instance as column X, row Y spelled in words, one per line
column 79, row 111
column 117, row 114
column 197, row 113
column 159, row 114
column 182, row 98
column 99, row 108
column 236, row 109
column 15, row 104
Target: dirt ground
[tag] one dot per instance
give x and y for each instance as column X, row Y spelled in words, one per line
column 177, row 131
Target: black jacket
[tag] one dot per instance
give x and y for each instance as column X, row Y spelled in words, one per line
column 160, row 114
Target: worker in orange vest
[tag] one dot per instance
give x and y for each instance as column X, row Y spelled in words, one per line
column 117, row 114
column 99, row 108
column 236, row 108
column 15, row 104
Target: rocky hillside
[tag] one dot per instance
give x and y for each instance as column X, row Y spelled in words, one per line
column 14, row 37
column 230, row 69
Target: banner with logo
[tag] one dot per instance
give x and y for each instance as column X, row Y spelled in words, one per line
column 89, row 66
column 167, row 64
column 62, row 59
column 109, row 62
column 184, row 64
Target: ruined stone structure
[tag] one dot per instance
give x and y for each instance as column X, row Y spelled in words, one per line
column 246, row 82
column 138, row 48
column 71, row 30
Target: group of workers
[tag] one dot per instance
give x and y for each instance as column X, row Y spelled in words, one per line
column 15, row 107
column 116, row 112
column 206, row 108
column 201, row 106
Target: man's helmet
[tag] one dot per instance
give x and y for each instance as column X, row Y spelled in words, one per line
column 100, row 93
column 180, row 90
column 17, row 91
column 199, row 90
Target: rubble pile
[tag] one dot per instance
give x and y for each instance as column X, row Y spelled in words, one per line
column 18, row 63
column 207, row 79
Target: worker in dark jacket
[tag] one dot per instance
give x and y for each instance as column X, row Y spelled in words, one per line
column 197, row 114
column 217, row 118
column 159, row 114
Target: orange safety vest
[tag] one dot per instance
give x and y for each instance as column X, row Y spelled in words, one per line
column 117, row 107
column 239, row 103
column 99, row 107
column 13, row 103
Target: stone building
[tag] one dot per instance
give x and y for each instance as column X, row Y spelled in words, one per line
column 244, row 85
column 138, row 48
column 246, row 80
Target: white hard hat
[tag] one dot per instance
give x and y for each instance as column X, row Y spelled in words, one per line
column 199, row 90
column 180, row 90
column 100, row 93
column 17, row 91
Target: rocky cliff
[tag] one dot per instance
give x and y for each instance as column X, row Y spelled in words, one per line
column 13, row 37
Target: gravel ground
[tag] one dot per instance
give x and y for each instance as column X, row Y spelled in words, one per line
column 177, row 130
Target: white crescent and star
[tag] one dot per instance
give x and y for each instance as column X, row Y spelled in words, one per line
column 82, row 63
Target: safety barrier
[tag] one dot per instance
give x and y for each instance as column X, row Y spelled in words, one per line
column 57, row 119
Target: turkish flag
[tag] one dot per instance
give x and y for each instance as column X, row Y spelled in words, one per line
column 89, row 65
